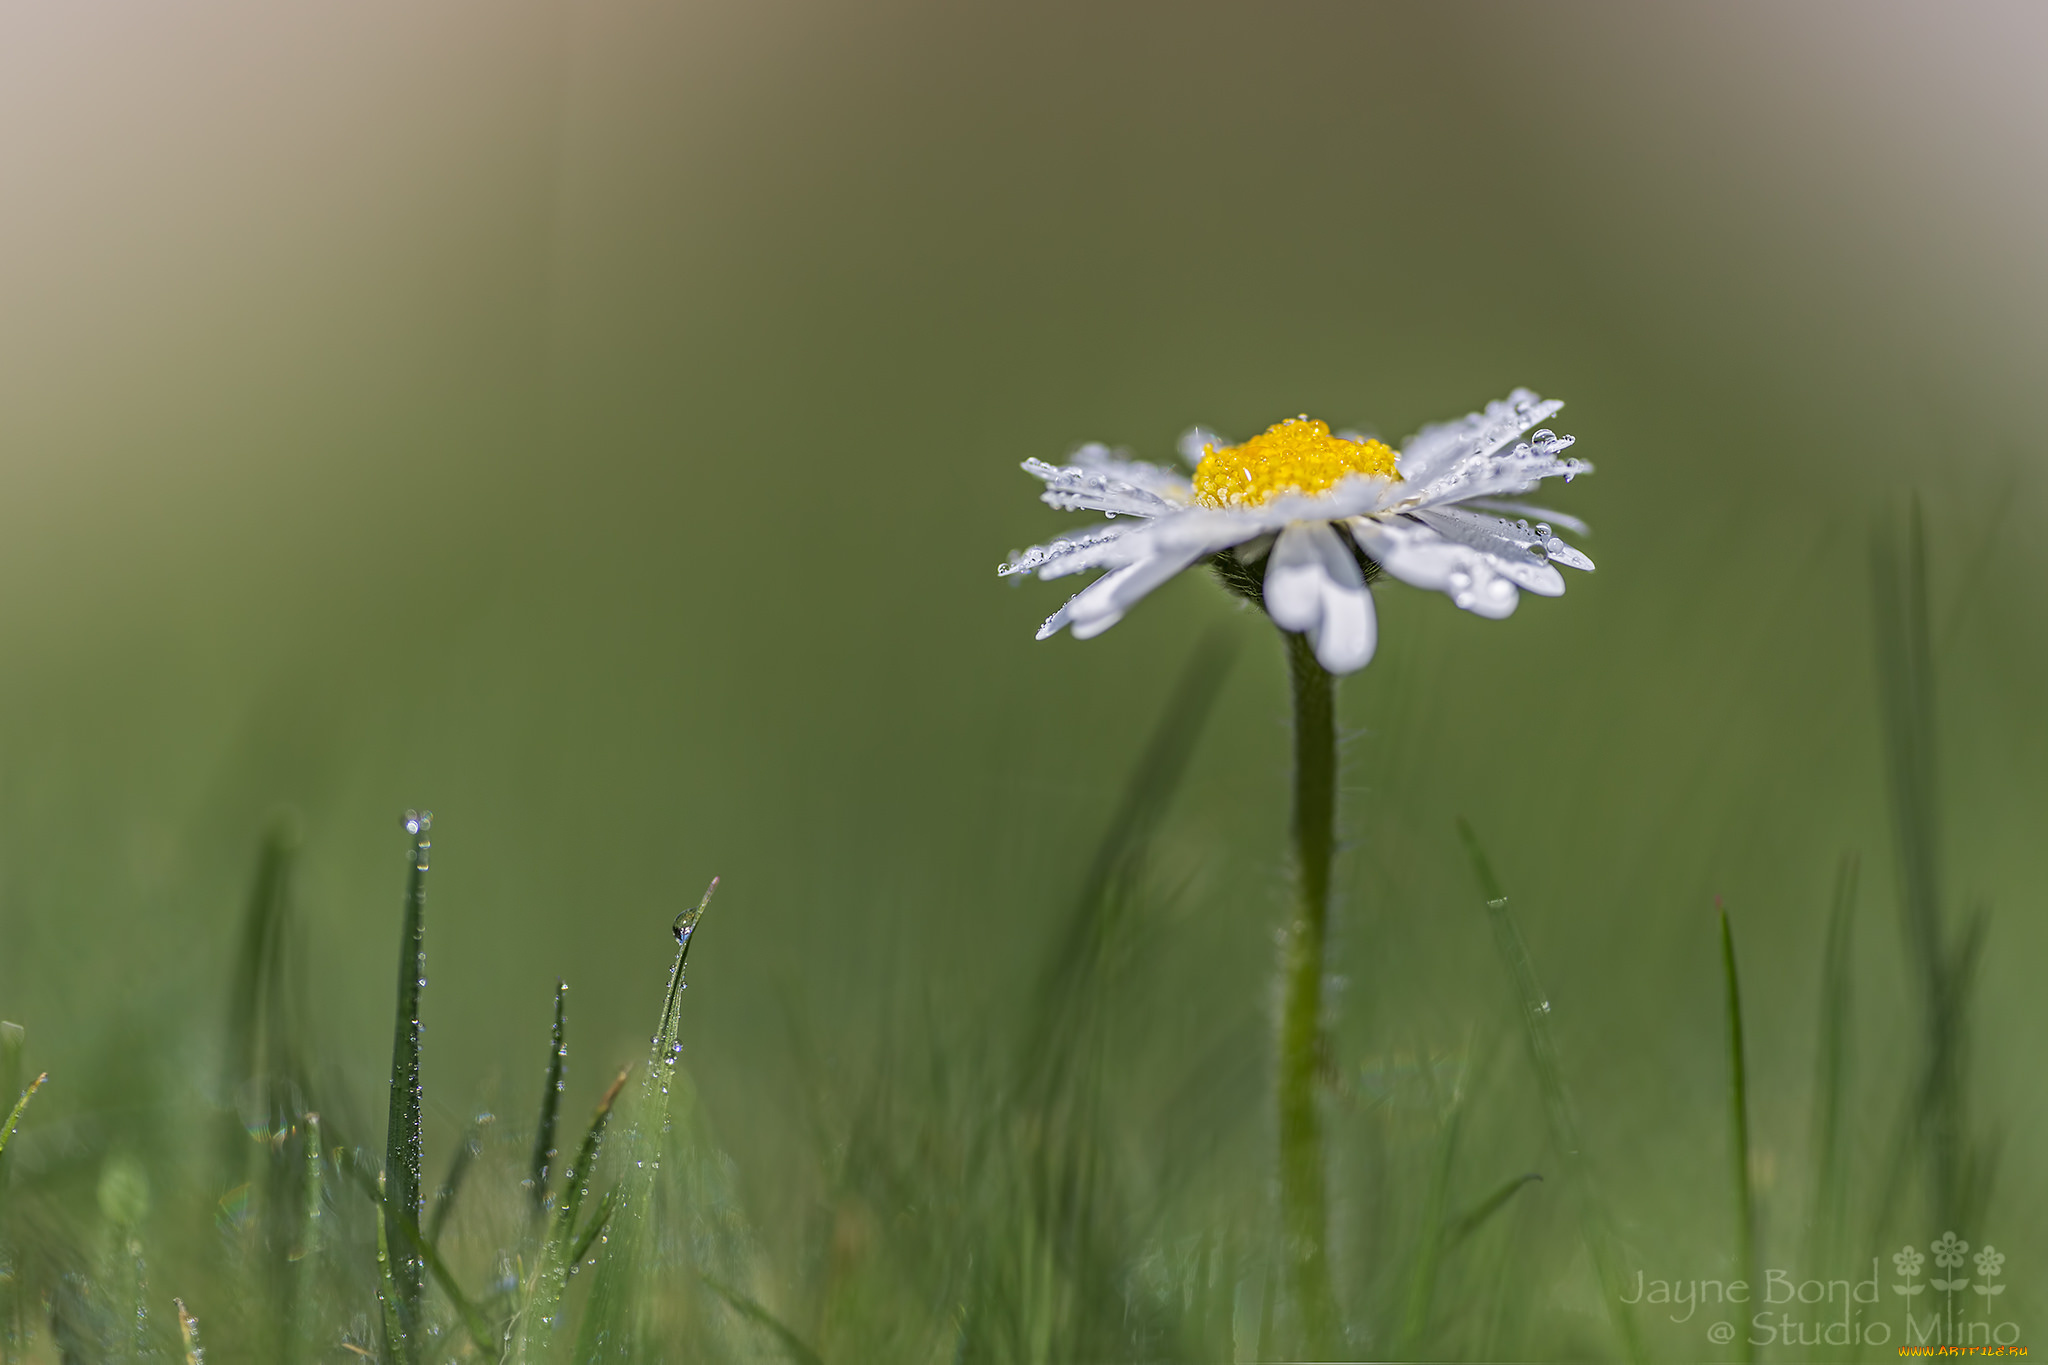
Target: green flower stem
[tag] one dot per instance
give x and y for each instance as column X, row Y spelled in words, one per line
column 1303, row 1205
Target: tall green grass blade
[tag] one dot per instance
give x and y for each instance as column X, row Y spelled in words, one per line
column 1738, row 1129
column 188, row 1334
column 13, row 1042
column 1428, row 1255
column 1069, row 987
column 1936, row 1124
column 792, row 1345
column 403, row 1156
column 399, row 1239
column 576, row 1182
column 417, row 1246
column 550, row 1102
column 1044, row 1146
column 1481, row 1213
column 1533, row 1007
column 613, row 1321
column 397, row 1345
column 260, row 1055
column 466, row 1153
column 534, row 1332
column 1831, row 1078
column 14, row 1114
column 592, row 1230
column 299, row 1315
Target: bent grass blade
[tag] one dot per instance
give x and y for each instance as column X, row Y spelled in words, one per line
column 1533, row 1007
column 14, row 1115
column 611, row 1321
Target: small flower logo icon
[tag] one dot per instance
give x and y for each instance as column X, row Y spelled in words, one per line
column 1908, row 1261
column 1949, row 1253
column 1990, row 1264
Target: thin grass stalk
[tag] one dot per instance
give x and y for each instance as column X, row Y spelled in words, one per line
column 537, row 1315
column 403, row 1155
column 1429, row 1252
column 466, row 1153
column 1831, row 1078
column 1561, row 1115
column 20, row 1105
column 1935, row 1122
column 550, row 1102
column 1477, row 1218
column 613, row 1320
column 188, row 1335
column 299, row 1323
column 1304, row 1203
column 1738, row 1130
column 258, row 1061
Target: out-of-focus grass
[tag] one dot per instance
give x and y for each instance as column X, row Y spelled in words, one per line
column 1060, row 1184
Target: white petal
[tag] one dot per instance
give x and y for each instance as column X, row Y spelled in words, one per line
column 1515, row 551
column 1561, row 553
column 1193, row 443
column 1295, row 574
column 1516, row 541
column 1314, row 586
column 1350, row 630
column 1488, row 473
column 1056, row 622
column 1076, row 488
column 1103, row 603
column 1424, row 557
column 1431, row 451
column 1091, row 547
column 1159, row 550
column 1523, row 509
column 1139, row 474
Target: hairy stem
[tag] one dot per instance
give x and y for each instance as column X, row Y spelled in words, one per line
column 1304, row 1208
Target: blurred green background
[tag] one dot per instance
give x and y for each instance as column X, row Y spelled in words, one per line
column 599, row 424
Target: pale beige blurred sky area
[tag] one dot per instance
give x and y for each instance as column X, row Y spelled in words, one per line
column 209, row 208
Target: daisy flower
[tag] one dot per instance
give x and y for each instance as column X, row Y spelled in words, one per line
column 1302, row 521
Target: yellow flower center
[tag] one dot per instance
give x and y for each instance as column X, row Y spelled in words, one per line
column 1296, row 456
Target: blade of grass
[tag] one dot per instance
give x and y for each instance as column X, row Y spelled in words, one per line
column 188, row 1334
column 466, row 1153
column 747, row 1308
column 1429, row 1254
column 594, row 1229
column 472, row 1319
column 1485, row 1209
column 256, row 1057
column 415, row 1246
column 397, row 1347
column 1936, row 1123
column 1831, row 1077
column 14, row 1115
column 550, row 1102
column 611, row 1323
column 298, row 1324
column 576, row 1182
column 1533, row 1007
column 543, row 1298
column 1738, row 1130
column 13, row 1039
column 403, row 1157
column 1066, row 1191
